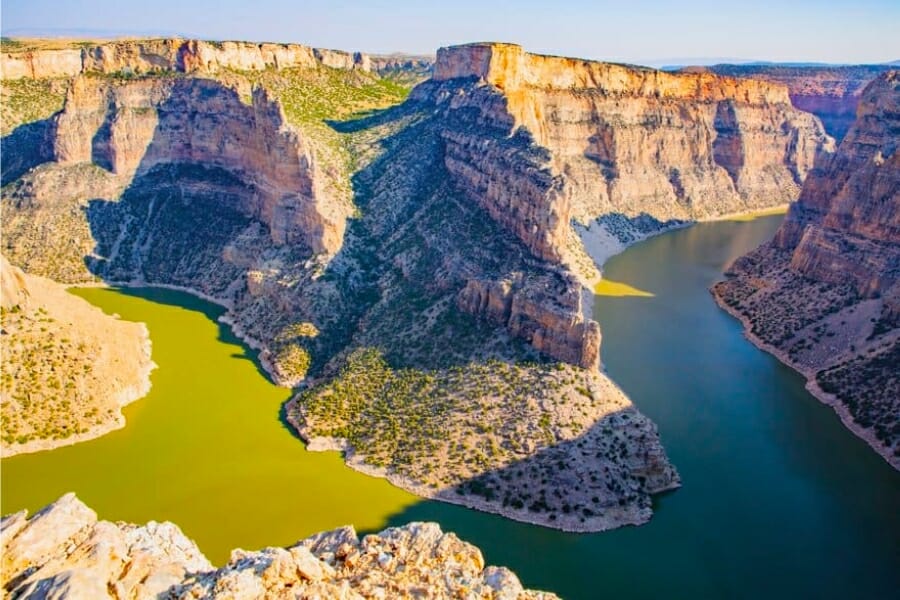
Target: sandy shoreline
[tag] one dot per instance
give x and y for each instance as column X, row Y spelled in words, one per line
column 813, row 387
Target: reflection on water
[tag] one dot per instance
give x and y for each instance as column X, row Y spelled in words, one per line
column 607, row 287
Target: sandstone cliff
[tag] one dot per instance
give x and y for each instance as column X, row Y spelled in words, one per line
column 68, row 368
column 599, row 140
column 825, row 293
column 192, row 56
column 131, row 129
column 831, row 92
column 64, row 551
column 150, row 182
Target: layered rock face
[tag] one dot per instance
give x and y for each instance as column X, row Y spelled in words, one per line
column 825, row 293
column 147, row 184
column 133, row 128
column 542, row 143
column 830, row 93
column 191, row 56
column 64, row 551
column 601, row 139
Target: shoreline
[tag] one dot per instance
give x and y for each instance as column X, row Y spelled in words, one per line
column 621, row 517
column 124, row 398
column 135, row 393
column 812, row 387
column 606, row 253
column 227, row 319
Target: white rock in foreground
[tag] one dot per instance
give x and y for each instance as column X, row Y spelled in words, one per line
column 63, row 551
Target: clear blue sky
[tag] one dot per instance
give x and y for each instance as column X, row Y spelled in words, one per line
column 628, row 30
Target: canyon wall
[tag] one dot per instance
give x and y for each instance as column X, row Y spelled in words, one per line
column 130, row 128
column 546, row 141
column 824, row 295
column 191, row 56
column 829, row 92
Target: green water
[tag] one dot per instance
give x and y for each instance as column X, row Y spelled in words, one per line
column 205, row 449
column 779, row 500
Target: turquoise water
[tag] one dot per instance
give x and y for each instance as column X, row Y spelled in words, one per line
column 779, row 499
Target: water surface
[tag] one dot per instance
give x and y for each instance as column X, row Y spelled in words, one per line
column 779, row 499
column 205, row 448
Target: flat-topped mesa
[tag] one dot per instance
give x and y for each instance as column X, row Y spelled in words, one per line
column 176, row 55
column 830, row 92
column 509, row 67
column 130, row 128
column 542, row 141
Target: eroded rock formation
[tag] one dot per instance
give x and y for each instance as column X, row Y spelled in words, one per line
column 830, row 92
column 64, row 551
column 130, row 129
column 553, row 140
column 824, row 295
column 192, row 56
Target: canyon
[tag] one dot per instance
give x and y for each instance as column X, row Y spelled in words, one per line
column 64, row 551
column 824, row 294
column 378, row 248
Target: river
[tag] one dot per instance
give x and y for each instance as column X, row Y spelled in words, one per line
column 779, row 499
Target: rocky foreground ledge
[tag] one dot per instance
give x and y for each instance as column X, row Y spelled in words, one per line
column 63, row 551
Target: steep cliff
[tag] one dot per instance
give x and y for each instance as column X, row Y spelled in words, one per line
column 824, row 295
column 554, row 140
column 169, row 180
column 68, row 368
column 130, row 129
column 829, row 92
column 64, row 551
column 191, row 56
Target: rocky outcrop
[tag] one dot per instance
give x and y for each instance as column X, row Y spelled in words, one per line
column 63, row 551
column 829, row 92
column 131, row 128
column 548, row 317
column 545, row 141
column 824, row 294
column 192, row 56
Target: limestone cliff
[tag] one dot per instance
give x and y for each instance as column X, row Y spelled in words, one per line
column 68, row 368
column 824, row 295
column 561, row 152
column 191, row 56
column 64, row 551
column 829, row 92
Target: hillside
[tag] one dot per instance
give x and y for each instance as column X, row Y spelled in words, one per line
column 68, row 368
